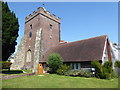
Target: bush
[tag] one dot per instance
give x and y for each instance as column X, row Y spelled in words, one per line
column 62, row 69
column 117, row 64
column 54, row 61
column 104, row 71
column 72, row 73
column 85, row 74
column 80, row 73
column 107, row 66
column 117, row 68
column 98, row 68
column 5, row 65
column 107, row 69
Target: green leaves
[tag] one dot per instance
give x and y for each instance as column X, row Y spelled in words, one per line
column 117, row 64
column 54, row 61
column 10, row 28
column 103, row 71
column 62, row 69
column 5, row 64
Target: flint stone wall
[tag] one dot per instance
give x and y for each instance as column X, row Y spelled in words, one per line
column 19, row 57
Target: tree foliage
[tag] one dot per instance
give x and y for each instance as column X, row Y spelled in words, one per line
column 54, row 62
column 117, row 64
column 10, row 29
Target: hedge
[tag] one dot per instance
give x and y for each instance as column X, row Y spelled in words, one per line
column 5, row 65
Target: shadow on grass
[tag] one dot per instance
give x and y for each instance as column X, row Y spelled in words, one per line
column 11, row 72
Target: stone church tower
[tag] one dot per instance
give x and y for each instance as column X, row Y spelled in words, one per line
column 42, row 31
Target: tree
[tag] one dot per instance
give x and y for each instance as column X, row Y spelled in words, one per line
column 54, row 62
column 10, row 29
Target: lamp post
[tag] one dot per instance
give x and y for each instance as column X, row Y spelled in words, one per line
column 93, row 72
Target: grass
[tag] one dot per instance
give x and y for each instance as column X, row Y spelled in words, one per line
column 57, row 81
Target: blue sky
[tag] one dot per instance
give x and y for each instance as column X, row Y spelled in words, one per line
column 79, row 20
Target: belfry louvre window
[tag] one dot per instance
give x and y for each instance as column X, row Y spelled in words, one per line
column 31, row 26
column 50, row 26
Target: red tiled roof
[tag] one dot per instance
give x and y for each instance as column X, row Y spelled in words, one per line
column 83, row 50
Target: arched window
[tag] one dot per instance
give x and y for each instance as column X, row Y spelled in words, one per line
column 30, row 34
column 29, row 56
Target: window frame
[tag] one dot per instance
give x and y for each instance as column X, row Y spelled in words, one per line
column 31, row 27
column 51, row 27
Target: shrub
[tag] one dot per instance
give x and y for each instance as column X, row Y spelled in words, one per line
column 80, row 73
column 72, row 73
column 117, row 68
column 75, row 73
column 107, row 69
column 98, row 68
column 5, row 65
column 85, row 73
column 62, row 69
column 104, row 71
column 54, row 61
column 117, row 64
column 108, row 66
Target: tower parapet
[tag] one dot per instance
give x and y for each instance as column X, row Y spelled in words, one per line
column 42, row 11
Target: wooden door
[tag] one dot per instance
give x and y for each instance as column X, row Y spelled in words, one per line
column 40, row 69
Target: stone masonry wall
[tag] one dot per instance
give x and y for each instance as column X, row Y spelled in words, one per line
column 37, row 52
column 19, row 57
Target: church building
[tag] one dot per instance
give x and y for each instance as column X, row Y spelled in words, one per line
column 42, row 37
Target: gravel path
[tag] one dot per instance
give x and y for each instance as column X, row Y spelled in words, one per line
column 14, row 76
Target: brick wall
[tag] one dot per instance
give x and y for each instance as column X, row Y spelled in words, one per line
column 50, row 26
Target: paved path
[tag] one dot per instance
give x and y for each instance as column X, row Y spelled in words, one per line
column 14, row 76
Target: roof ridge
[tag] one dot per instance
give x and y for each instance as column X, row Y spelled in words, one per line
column 88, row 39
column 80, row 40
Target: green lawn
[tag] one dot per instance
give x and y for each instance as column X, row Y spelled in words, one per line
column 57, row 81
